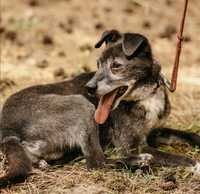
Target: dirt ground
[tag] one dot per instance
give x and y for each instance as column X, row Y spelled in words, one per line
column 44, row 41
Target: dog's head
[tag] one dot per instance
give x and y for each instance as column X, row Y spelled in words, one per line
column 126, row 60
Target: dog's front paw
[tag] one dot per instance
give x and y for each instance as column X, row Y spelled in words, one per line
column 145, row 160
column 43, row 165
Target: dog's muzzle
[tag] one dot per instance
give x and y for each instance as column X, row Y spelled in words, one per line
column 91, row 87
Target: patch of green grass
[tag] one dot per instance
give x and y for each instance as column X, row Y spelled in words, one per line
column 23, row 24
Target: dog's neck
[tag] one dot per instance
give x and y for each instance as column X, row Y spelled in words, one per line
column 138, row 95
column 154, row 100
column 142, row 91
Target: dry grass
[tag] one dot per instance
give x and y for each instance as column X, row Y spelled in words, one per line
column 76, row 179
column 74, row 26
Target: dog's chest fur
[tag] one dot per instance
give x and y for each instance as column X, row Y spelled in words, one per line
column 132, row 120
column 157, row 108
column 140, row 115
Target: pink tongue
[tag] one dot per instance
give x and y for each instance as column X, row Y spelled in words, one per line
column 104, row 107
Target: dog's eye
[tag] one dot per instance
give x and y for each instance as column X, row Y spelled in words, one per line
column 116, row 66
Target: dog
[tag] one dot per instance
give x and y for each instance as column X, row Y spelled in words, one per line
column 131, row 103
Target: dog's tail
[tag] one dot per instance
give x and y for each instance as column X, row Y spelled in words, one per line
column 19, row 165
column 168, row 136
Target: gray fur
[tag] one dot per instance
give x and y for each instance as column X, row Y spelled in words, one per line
column 51, row 124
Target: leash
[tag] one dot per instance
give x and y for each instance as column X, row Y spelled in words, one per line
column 172, row 86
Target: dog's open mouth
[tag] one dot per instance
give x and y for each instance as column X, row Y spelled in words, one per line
column 109, row 102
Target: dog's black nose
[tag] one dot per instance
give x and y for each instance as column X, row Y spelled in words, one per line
column 91, row 91
column 91, row 88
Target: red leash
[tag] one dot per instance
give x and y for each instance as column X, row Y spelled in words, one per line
column 172, row 86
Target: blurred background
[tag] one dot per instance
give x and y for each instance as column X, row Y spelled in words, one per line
column 45, row 41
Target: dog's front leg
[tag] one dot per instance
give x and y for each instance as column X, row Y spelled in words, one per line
column 92, row 151
column 153, row 157
column 139, row 161
column 168, row 159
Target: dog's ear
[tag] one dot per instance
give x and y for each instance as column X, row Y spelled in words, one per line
column 108, row 37
column 131, row 43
